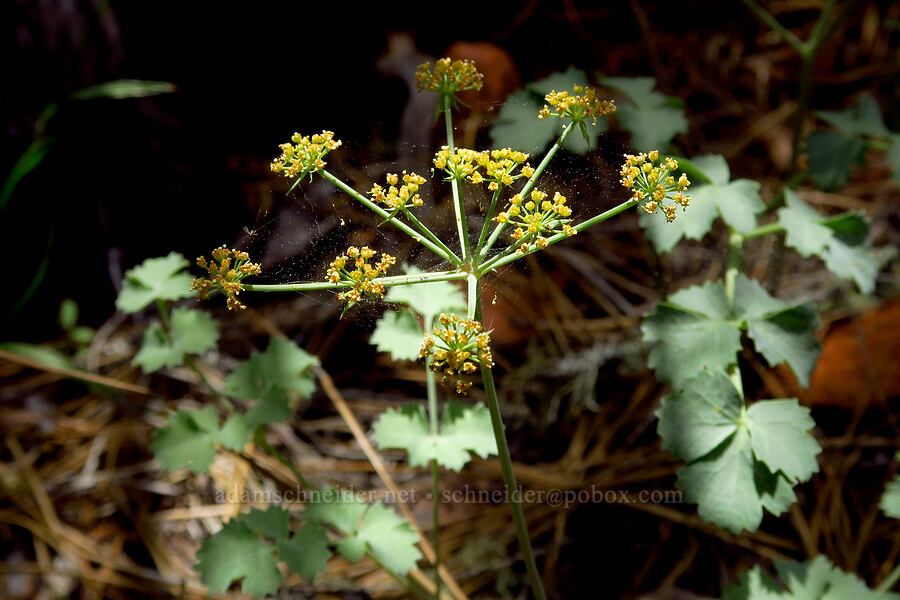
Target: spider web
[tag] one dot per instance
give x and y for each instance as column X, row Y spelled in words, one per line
column 301, row 232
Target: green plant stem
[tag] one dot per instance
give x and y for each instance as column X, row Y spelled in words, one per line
column 487, row 222
column 459, row 208
column 509, row 255
column 259, row 438
column 385, row 281
column 764, row 16
column 735, row 248
column 431, row 386
column 164, row 317
column 890, row 580
column 529, row 185
column 808, row 51
column 447, row 255
column 764, row 230
column 428, row 233
column 506, row 466
column 189, row 362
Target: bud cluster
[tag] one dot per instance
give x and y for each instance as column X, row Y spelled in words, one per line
column 537, row 216
column 226, row 270
column 448, row 77
column 305, row 154
column 578, row 106
column 457, row 348
column 403, row 197
column 651, row 178
column 497, row 167
column 353, row 268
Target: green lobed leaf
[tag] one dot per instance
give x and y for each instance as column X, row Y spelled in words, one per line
column 339, row 508
column 306, row 553
column 189, row 439
column 273, row 406
column 428, row 299
column 274, row 522
column 192, row 332
column 283, row 365
column 831, row 156
column 890, row 500
column 754, row 585
column 399, row 334
column 738, row 461
column 893, row 155
column 701, row 417
column 841, row 242
column 391, row 539
column 780, row 332
column 651, row 128
column 517, row 125
column 154, row 279
column 651, row 119
column 712, row 195
column 723, row 486
column 862, row 119
column 235, row 433
column 816, row 579
column 464, row 428
column 776, row 493
column 780, row 439
column 692, row 331
column 236, row 552
column 368, row 528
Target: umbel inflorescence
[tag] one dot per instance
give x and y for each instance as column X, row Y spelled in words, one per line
column 226, row 270
column 578, row 106
column 537, row 218
column 456, row 349
column 353, row 268
column 496, row 167
column 448, row 77
column 651, row 178
column 399, row 198
column 305, row 155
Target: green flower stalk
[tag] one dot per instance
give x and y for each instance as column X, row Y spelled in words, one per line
column 459, row 348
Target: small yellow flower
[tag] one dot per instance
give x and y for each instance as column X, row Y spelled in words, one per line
column 225, row 276
column 459, row 347
column 578, row 106
column 402, row 198
column 651, row 178
column 305, row 155
column 360, row 280
column 448, row 77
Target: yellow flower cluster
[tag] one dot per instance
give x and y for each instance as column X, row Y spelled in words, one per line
column 537, row 216
column 226, row 270
column 651, row 178
column 496, row 167
column 448, row 77
column 360, row 274
column 457, row 348
column 578, row 106
column 305, row 154
column 399, row 198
